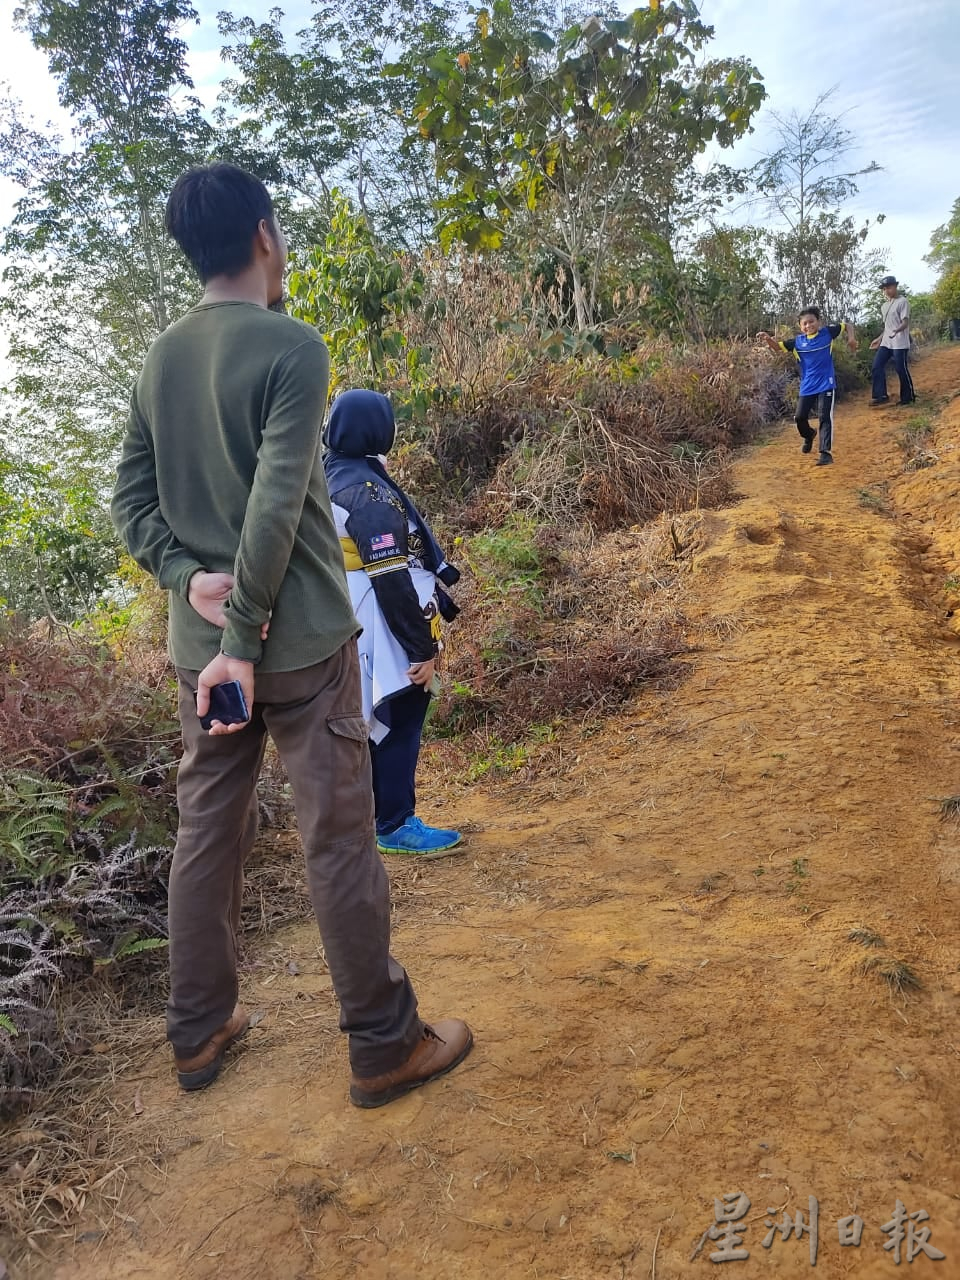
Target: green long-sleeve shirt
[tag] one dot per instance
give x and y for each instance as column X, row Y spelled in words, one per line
column 221, row 470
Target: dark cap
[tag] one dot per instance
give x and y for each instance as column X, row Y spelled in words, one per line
column 888, row 280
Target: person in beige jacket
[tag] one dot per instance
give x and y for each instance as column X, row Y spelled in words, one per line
column 893, row 344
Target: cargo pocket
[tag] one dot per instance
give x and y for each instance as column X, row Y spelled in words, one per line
column 354, row 727
column 350, row 781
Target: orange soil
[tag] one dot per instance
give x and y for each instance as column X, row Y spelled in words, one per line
column 653, row 951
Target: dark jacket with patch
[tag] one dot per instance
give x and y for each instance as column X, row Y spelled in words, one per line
column 379, row 516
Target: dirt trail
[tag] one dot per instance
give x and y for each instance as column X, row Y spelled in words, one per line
column 654, row 954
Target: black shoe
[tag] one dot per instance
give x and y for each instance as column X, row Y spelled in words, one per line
column 824, row 460
column 878, row 404
column 808, row 439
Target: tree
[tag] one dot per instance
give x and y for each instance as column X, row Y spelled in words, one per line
column 800, row 179
column 319, row 114
column 804, row 182
column 99, row 201
column 91, row 277
column 58, row 555
column 944, row 252
column 824, row 260
column 726, row 283
column 356, row 293
column 947, row 294
column 578, row 144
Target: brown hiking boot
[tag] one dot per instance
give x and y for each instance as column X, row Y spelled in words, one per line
column 443, row 1046
column 204, row 1067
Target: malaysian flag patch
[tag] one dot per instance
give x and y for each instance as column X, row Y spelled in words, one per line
column 383, row 542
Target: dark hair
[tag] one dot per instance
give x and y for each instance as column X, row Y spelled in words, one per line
column 213, row 213
column 810, row 311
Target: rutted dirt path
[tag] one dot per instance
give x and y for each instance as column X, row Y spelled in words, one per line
column 656, row 961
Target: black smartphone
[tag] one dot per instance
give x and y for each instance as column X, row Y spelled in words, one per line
column 227, row 704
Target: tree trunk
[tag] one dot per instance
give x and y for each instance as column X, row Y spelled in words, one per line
column 581, row 302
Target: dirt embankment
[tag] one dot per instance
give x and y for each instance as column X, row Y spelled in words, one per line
column 719, row 954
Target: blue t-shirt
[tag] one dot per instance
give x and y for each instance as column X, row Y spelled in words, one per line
column 816, row 358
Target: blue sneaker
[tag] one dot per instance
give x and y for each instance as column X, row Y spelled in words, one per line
column 416, row 838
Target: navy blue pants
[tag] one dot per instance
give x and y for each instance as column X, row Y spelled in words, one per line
column 821, row 406
column 900, row 359
column 395, row 758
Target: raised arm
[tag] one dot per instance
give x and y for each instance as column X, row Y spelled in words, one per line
column 769, row 341
column 846, row 330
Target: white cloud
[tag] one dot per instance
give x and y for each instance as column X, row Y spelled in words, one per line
column 895, row 70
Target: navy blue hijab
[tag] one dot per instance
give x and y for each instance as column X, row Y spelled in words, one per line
column 360, row 426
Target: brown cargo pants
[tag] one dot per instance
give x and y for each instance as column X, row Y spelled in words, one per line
column 314, row 717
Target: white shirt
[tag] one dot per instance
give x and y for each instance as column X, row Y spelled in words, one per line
column 896, row 312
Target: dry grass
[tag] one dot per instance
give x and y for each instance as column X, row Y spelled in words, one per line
column 615, row 442
column 595, row 620
column 589, row 471
column 897, row 974
column 89, row 744
column 483, row 326
column 916, row 442
column 63, row 699
column 865, row 937
column 876, row 497
column 275, row 885
column 71, row 1154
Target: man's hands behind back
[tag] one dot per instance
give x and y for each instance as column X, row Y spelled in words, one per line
column 221, row 671
column 207, row 593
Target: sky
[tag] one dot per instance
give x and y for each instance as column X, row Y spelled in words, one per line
column 894, row 69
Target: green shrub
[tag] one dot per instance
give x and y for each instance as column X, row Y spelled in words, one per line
column 946, row 295
column 506, row 562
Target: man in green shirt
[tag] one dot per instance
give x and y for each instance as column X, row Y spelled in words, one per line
column 220, row 495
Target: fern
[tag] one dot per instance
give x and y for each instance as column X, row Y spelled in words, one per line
column 34, row 826
column 131, row 945
column 112, row 804
column 143, row 944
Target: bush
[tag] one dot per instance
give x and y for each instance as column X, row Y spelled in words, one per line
column 926, row 323
column 947, row 294
column 507, row 563
column 89, row 746
column 86, row 810
column 853, row 367
column 592, row 623
column 607, row 442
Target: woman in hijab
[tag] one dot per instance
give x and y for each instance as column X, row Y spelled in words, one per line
column 396, row 573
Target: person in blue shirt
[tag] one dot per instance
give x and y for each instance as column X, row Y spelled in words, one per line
column 813, row 348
